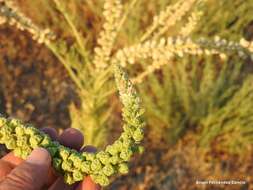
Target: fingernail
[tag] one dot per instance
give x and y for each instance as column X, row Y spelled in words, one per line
column 39, row 156
column 89, row 148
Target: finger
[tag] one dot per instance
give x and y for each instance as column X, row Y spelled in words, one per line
column 12, row 159
column 59, row 184
column 31, row 174
column 7, row 163
column 5, row 169
column 72, row 138
column 89, row 148
column 88, row 184
column 51, row 132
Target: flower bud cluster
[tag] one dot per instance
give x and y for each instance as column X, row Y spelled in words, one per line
column 11, row 15
column 176, row 16
column 112, row 14
column 22, row 139
column 169, row 17
column 193, row 19
column 247, row 44
column 191, row 24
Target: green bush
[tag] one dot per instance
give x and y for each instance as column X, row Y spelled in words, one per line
column 208, row 97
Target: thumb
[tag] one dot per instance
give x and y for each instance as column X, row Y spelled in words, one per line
column 31, row 174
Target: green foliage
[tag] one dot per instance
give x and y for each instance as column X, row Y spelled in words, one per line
column 73, row 165
column 231, row 124
column 208, row 96
column 232, row 19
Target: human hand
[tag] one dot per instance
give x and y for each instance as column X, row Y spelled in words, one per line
column 36, row 173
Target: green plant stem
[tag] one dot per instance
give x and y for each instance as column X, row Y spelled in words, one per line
column 147, row 34
column 77, row 35
column 127, row 12
column 66, row 65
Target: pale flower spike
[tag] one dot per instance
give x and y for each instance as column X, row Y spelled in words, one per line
column 11, row 15
column 163, row 50
column 112, row 14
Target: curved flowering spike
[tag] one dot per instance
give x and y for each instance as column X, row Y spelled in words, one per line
column 74, row 166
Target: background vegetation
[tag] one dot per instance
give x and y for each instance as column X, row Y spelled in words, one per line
column 198, row 109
